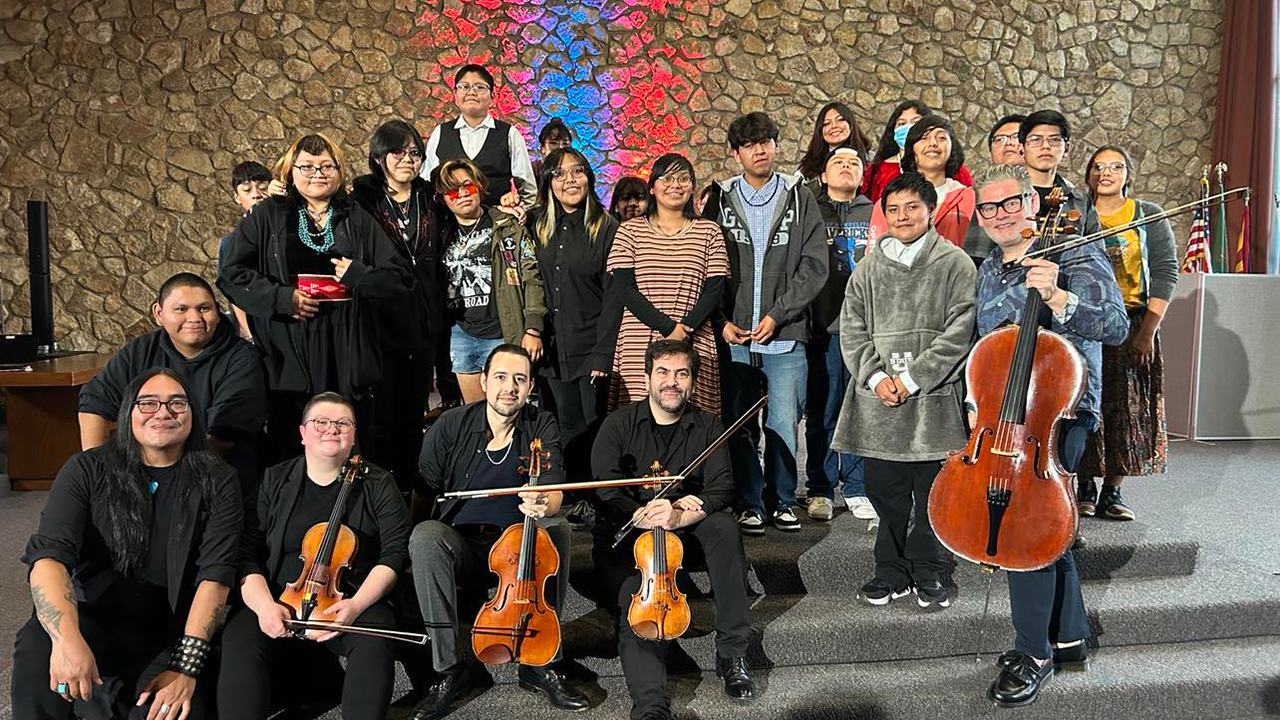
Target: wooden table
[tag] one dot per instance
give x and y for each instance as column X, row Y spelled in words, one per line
column 43, row 428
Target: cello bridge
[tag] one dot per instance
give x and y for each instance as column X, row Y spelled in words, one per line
column 1006, row 453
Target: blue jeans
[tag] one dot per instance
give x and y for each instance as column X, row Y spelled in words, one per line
column 467, row 352
column 828, row 378
column 783, row 378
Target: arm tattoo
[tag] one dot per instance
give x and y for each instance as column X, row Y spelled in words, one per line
column 49, row 615
column 216, row 621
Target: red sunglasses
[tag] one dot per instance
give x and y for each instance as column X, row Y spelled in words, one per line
column 467, row 189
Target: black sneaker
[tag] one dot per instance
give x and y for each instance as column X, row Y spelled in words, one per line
column 880, row 592
column 785, row 519
column 1110, row 505
column 931, row 592
column 1086, row 497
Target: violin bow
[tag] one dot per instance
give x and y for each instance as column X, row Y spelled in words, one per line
column 669, row 482
column 401, row 635
column 565, row 487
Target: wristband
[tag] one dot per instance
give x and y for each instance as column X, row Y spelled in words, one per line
column 188, row 656
column 533, row 333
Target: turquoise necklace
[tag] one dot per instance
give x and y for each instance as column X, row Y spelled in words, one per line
column 310, row 239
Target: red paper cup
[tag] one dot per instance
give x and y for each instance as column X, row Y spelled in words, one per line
column 323, row 287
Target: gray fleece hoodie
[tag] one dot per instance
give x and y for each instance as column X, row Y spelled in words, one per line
column 898, row 318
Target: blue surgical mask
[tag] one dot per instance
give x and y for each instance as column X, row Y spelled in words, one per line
column 900, row 135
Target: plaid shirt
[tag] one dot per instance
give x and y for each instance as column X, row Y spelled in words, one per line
column 1095, row 312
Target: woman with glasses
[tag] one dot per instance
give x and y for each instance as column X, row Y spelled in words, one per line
column 130, row 568
column 669, row 268
column 311, row 269
column 295, row 496
column 573, row 236
column 407, row 208
column 1131, row 439
column 835, row 126
column 494, row 289
column 886, row 165
column 932, row 149
column 553, row 136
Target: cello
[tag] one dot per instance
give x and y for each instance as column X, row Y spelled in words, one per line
column 658, row 611
column 518, row 625
column 1004, row 500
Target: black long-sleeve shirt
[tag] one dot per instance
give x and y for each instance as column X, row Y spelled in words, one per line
column 627, row 445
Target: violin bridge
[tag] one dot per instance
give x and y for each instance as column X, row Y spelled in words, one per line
column 1006, row 453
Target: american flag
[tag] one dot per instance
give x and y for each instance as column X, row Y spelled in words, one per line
column 1197, row 258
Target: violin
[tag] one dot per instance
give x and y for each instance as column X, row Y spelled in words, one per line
column 1004, row 500
column 659, row 611
column 518, row 625
column 327, row 550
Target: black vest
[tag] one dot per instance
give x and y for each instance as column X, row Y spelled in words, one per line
column 494, row 157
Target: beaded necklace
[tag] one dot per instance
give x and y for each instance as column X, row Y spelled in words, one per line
column 310, row 239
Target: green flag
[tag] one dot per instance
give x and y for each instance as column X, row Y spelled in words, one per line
column 1218, row 233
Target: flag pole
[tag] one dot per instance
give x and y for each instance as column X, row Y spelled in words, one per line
column 1218, row 237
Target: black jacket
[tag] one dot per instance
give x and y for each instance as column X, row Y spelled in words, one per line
column 376, row 513
column 203, row 539
column 584, row 308
column 226, row 379
column 258, row 281
column 627, row 446
column 455, row 444
column 416, row 324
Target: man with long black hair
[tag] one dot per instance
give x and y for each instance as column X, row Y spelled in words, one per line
column 130, row 567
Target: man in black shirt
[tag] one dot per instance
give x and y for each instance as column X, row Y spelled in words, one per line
column 1045, row 136
column 668, row 429
column 472, row 447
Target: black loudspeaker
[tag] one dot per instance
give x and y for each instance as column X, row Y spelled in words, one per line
column 41, row 285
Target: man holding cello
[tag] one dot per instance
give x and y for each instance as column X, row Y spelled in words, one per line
column 670, row 431
column 474, row 447
column 1084, row 307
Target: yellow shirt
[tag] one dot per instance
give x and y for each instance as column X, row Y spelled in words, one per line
column 1125, row 251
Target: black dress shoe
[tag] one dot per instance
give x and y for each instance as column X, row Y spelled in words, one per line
column 450, row 686
column 549, row 682
column 737, row 681
column 1019, row 681
column 1075, row 657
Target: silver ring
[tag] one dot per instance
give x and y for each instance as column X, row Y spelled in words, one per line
column 164, row 709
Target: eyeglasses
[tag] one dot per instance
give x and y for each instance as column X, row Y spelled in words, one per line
column 322, row 425
column 1011, row 204
column 467, row 189
column 412, row 154
column 1113, row 167
column 676, row 179
column 574, row 171
column 176, row 406
column 1053, row 141
column 466, row 87
column 312, row 170
column 1011, row 139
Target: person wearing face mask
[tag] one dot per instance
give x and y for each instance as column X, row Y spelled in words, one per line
column 1131, row 439
column 311, row 269
column 668, row 268
column 630, row 198
column 1045, row 136
column 195, row 339
column 494, row 291
column 906, row 328
column 406, row 207
column 1005, row 149
column 885, row 165
column 835, row 126
column 573, row 235
column 846, row 215
column 932, row 149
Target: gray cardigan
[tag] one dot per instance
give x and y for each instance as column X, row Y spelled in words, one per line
column 897, row 318
column 1160, row 250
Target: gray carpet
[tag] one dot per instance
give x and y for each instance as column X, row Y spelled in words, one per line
column 1184, row 604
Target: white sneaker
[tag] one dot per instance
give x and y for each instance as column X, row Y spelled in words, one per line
column 750, row 523
column 860, row 507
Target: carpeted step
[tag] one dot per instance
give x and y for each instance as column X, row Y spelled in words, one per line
column 1212, row 680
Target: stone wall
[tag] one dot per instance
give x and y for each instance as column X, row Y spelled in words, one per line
column 128, row 114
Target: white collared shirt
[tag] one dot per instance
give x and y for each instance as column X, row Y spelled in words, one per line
column 895, row 250
column 473, row 139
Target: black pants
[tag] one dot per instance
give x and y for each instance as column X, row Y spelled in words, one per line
column 400, row 399
column 128, row 656
column 285, row 416
column 248, row 658
column 579, row 408
column 1046, row 605
column 452, row 577
column 644, row 662
column 906, row 550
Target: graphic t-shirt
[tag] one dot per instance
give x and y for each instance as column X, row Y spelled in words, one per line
column 469, row 264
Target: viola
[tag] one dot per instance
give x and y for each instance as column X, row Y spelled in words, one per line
column 658, row 611
column 518, row 625
column 1004, row 500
